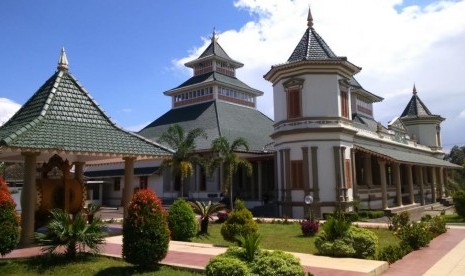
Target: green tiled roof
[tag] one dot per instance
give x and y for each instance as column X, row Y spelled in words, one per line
column 217, row 118
column 216, row 77
column 406, row 156
column 61, row 115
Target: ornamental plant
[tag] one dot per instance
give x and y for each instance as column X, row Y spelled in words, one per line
column 181, row 221
column 9, row 221
column 145, row 230
column 309, row 228
column 240, row 222
column 459, row 202
column 414, row 235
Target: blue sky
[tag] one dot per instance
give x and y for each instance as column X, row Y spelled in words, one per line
column 126, row 53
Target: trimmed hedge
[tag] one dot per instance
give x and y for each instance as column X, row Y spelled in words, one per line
column 240, row 222
column 181, row 221
column 145, row 230
column 9, row 221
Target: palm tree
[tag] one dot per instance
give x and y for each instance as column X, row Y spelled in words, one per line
column 206, row 212
column 182, row 161
column 231, row 161
column 71, row 232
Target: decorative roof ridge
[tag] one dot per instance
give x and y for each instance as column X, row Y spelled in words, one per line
column 58, row 77
column 217, row 114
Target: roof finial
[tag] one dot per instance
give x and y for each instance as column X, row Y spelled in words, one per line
column 309, row 18
column 414, row 89
column 63, row 61
column 214, row 35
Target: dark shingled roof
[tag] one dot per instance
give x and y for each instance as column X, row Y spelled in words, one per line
column 120, row 172
column 216, row 77
column 61, row 115
column 217, row 118
column 215, row 49
column 416, row 108
column 312, row 47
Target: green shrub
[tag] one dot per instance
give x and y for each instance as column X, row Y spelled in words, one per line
column 145, row 230
column 414, row 235
column 437, row 226
column 336, row 228
column 9, row 221
column 365, row 242
column 351, row 216
column 181, row 221
column 277, row 263
column 251, row 245
column 370, row 214
column 459, row 202
column 392, row 253
column 226, row 266
column 400, row 220
column 426, row 218
column 71, row 232
column 355, row 242
column 240, row 222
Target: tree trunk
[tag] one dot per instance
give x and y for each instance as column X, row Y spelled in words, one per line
column 231, row 201
column 204, row 226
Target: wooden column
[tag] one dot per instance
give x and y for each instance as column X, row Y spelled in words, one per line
column 338, row 172
column 419, row 171
column 28, row 199
column 382, row 174
column 288, row 189
column 441, row 183
column 128, row 185
column 354, row 176
column 433, row 184
column 410, row 184
column 396, row 176
column 315, row 182
column 367, row 172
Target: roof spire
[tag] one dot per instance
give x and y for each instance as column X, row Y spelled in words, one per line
column 63, row 61
column 414, row 89
column 214, row 37
column 309, row 18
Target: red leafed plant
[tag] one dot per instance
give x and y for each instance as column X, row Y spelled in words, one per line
column 145, row 230
column 309, row 227
column 9, row 220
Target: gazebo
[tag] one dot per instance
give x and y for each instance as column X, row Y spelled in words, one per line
column 58, row 128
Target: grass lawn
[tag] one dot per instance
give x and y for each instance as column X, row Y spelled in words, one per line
column 87, row 265
column 454, row 218
column 287, row 237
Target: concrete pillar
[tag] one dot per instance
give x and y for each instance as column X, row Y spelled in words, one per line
column 441, row 183
column 433, row 184
column 382, row 174
column 354, row 176
column 260, row 180
column 446, row 183
column 28, row 199
column 128, row 185
column 419, row 171
column 367, row 172
column 410, row 183
column 396, row 178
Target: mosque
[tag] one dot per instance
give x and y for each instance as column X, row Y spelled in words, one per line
column 323, row 142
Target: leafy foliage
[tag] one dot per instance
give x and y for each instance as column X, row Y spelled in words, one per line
column 437, row 225
column 206, row 211
column 414, row 235
column 400, row 220
column 250, row 243
column 181, row 221
column 340, row 239
column 145, row 230
column 277, row 263
column 9, row 221
column 309, row 228
column 226, row 266
column 91, row 211
column 240, row 222
column 71, row 232
column 226, row 155
column 392, row 253
column 182, row 161
column 459, row 202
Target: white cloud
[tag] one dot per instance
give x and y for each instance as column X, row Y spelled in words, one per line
column 137, row 128
column 462, row 114
column 7, row 109
column 126, row 110
column 396, row 46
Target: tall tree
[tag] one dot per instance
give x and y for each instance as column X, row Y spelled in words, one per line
column 226, row 155
column 183, row 160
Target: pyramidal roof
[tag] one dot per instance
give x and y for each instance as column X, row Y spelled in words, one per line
column 214, row 50
column 417, row 109
column 312, row 46
column 62, row 115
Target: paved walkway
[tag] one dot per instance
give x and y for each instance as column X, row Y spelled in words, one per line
column 444, row 256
